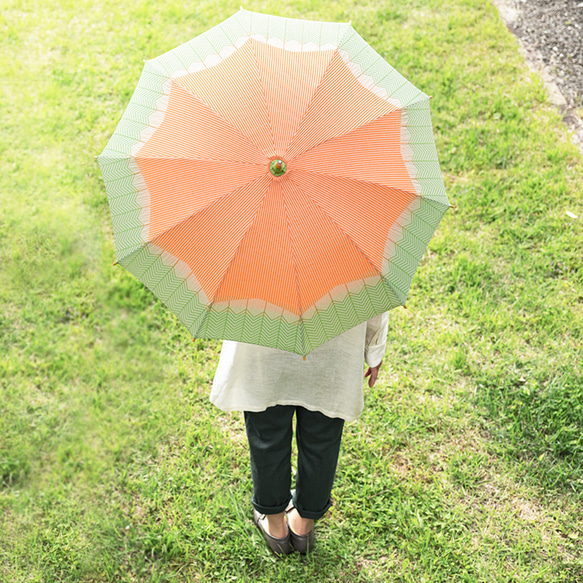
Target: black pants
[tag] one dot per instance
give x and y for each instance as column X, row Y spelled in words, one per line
column 270, row 439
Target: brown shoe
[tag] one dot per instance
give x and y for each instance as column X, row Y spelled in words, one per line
column 280, row 546
column 303, row 543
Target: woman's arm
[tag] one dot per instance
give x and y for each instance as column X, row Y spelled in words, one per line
column 375, row 345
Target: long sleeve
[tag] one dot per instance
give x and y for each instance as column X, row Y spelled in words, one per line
column 376, row 339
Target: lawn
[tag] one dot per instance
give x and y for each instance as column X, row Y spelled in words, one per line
column 467, row 463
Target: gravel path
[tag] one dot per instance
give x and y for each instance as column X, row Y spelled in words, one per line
column 554, row 28
column 550, row 34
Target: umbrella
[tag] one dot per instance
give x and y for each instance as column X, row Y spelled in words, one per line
column 274, row 181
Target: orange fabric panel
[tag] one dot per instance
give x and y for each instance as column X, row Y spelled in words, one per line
column 180, row 188
column 233, row 89
column 324, row 256
column 364, row 212
column 263, row 267
column 289, row 80
column 191, row 130
column 339, row 105
column 371, row 152
column 208, row 241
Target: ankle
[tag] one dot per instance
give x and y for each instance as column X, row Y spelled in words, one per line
column 299, row 525
column 277, row 525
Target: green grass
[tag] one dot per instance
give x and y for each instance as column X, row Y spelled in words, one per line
column 467, row 464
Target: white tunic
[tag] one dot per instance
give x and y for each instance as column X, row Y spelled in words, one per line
column 253, row 378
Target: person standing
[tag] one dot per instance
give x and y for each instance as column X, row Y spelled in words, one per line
column 323, row 391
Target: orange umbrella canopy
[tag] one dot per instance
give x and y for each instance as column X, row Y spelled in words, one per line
column 274, row 181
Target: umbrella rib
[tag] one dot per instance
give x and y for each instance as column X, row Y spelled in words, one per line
column 216, row 200
column 264, row 95
column 360, row 180
column 417, row 99
column 137, row 156
column 127, row 156
column 111, row 158
column 295, row 269
column 110, row 180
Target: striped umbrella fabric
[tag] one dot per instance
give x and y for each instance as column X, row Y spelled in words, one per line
column 274, row 181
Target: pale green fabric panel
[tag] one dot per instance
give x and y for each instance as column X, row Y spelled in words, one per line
column 421, row 142
column 291, row 29
column 372, row 64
